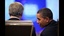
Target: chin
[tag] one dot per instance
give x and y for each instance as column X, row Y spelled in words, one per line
column 41, row 26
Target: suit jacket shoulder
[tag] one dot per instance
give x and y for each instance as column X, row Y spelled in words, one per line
column 50, row 30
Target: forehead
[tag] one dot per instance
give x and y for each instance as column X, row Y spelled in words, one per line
column 39, row 15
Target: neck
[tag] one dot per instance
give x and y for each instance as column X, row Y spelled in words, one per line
column 14, row 17
column 50, row 20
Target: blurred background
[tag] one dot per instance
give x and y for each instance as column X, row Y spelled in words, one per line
column 31, row 7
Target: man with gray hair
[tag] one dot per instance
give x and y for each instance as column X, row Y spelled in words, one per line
column 15, row 11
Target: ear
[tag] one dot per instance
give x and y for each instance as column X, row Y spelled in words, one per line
column 47, row 19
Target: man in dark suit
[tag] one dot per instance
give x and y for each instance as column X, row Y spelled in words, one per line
column 15, row 11
column 45, row 20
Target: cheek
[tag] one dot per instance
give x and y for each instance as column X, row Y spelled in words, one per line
column 40, row 22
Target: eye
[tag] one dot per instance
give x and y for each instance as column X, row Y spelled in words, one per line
column 38, row 18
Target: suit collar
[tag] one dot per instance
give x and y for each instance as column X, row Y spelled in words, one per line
column 14, row 17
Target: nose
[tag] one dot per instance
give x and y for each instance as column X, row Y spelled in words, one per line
column 37, row 21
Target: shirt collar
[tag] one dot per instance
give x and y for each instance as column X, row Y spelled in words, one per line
column 14, row 17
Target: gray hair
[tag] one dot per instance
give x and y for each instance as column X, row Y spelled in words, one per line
column 16, row 9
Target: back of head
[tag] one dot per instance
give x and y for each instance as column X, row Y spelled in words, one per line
column 16, row 9
column 46, row 12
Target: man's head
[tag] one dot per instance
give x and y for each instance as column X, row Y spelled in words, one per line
column 44, row 16
column 16, row 9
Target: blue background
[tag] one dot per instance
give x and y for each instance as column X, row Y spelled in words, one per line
column 31, row 7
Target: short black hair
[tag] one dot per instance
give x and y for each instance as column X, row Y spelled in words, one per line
column 46, row 12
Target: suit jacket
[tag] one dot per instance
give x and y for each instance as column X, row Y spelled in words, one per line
column 13, row 19
column 51, row 29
